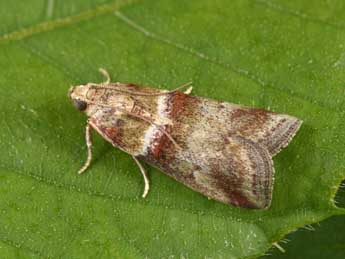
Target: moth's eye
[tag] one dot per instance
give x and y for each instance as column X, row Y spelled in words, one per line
column 79, row 104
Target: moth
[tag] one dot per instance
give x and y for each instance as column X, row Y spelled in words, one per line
column 219, row 149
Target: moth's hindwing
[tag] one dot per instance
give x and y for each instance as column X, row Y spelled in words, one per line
column 224, row 150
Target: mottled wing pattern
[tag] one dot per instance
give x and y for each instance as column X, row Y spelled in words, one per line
column 272, row 130
column 122, row 131
column 114, row 122
column 241, row 174
column 224, row 150
column 227, row 149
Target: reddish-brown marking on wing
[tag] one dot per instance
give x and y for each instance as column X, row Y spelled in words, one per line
column 162, row 151
column 113, row 134
column 132, row 86
column 158, row 144
column 231, row 186
column 249, row 119
column 239, row 200
column 175, row 104
column 274, row 131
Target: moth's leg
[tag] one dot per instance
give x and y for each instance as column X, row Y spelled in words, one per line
column 189, row 89
column 146, row 179
column 105, row 74
column 89, row 149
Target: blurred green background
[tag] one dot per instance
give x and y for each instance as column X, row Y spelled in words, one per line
column 285, row 56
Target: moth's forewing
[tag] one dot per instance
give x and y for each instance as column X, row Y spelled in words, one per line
column 273, row 131
column 224, row 150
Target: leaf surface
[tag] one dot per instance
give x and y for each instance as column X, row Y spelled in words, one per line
column 286, row 56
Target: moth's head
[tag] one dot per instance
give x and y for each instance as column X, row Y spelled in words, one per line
column 78, row 95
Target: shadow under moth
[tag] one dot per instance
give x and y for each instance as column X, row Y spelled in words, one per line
column 219, row 149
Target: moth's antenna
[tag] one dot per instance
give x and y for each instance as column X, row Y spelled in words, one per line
column 105, row 74
column 107, row 82
column 145, row 94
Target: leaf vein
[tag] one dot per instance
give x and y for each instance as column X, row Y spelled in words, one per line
column 296, row 13
column 240, row 71
column 63, row 22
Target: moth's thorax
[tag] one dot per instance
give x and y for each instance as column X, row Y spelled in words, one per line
column 100, row 97
column 124, row 114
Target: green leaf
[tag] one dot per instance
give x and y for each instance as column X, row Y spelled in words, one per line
column 286, row 56
column 319, row 241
